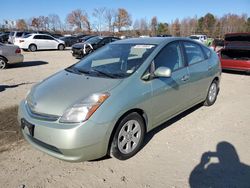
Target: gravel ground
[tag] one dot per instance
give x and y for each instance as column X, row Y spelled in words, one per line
column 176, row 154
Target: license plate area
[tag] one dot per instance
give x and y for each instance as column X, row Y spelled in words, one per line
column 31, row 127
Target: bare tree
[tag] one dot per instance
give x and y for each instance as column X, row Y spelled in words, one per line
column 99, row 15
column 176, row 28
column 154, row 24
column 21, row 24
column 109, row 18
column 122, row 19
column 36, row 23
column 79, row 18
column 54, row 22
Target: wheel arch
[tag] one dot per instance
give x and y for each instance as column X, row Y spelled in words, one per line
column 4, row 58
column 32, row 44
column 136, row 110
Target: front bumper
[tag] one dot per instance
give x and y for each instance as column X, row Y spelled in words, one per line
column 78, row 142
column 77, row 53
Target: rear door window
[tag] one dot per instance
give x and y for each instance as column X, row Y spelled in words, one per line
column 38, row 37
column 194, row 53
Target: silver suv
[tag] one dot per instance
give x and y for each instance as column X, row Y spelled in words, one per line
column 16, row 34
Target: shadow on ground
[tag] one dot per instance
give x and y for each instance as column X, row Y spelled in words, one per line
column 4, row 87
column 236, row 72
column 27, row 64
column 168, row 123
column 9, row 129
column 228, row 172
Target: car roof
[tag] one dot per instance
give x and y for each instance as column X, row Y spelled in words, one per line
column 151, row 40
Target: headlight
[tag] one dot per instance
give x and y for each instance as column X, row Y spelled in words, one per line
column 83, row 110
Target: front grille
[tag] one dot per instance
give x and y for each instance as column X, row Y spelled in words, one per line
column 44, row 145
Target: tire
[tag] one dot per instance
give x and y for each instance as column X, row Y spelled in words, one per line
column 32, row 48
column 128, row 137
column 3, row 63
column 212, row 94
column 61, row 47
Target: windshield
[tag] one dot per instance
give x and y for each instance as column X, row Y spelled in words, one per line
column 194, row 37
column 114, row 60
column 27, row 36
column 94, row 40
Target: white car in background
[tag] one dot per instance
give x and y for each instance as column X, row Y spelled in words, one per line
column 33, row 42
column 199, row 38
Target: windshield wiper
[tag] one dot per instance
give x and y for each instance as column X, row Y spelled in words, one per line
column 76, row 71
column 109, row 75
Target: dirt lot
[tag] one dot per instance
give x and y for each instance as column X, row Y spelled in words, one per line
column 174, row 155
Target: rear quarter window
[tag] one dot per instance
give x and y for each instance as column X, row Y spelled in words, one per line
column 194, row 53
column 207, row 51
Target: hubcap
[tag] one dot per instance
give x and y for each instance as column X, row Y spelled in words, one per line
column 129, row 136
column 2, row 64
column 212, row 92
column 33, row 48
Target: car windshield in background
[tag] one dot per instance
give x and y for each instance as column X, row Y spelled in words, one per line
column 114, row 60
column 27, row 36
column 194, row 37
column 94, row 40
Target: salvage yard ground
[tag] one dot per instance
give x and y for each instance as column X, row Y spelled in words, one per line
column 171, row 156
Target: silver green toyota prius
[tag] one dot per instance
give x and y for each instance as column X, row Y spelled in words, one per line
column 108, row 101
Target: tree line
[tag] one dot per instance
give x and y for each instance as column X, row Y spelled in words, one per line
column 119, row 21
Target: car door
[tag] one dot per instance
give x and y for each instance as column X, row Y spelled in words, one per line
column 103, row 42
column 51, row 43
column 169, row 94
column 198, row 71
column 39, row 41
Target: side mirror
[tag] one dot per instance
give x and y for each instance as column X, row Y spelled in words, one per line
column 162, row 72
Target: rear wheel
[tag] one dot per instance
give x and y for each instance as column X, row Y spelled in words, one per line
column 212, row 94
column 32, row 48
column 61, row 47
column 3, row 63
column 128, row 137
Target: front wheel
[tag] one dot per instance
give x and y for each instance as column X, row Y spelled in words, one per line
column 61, row 47
column 128, row 137
column 212, row 94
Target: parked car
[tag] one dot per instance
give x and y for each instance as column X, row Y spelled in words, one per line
column 15, row 35
column 236, row 52
column 79, row 36
column 83, row 39
column 55, row 35
column 9, row 54
column 165, row 35
column 4, row 37
column 108, row 101
column 33, row 42
column 79, row 50
column 199, row 38
column 69, row 40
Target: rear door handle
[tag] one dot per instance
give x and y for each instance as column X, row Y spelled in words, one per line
column 185, row 78
column 209, row 67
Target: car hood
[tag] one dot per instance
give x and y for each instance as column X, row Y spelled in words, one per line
column 62, row 90
column 78, row 45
